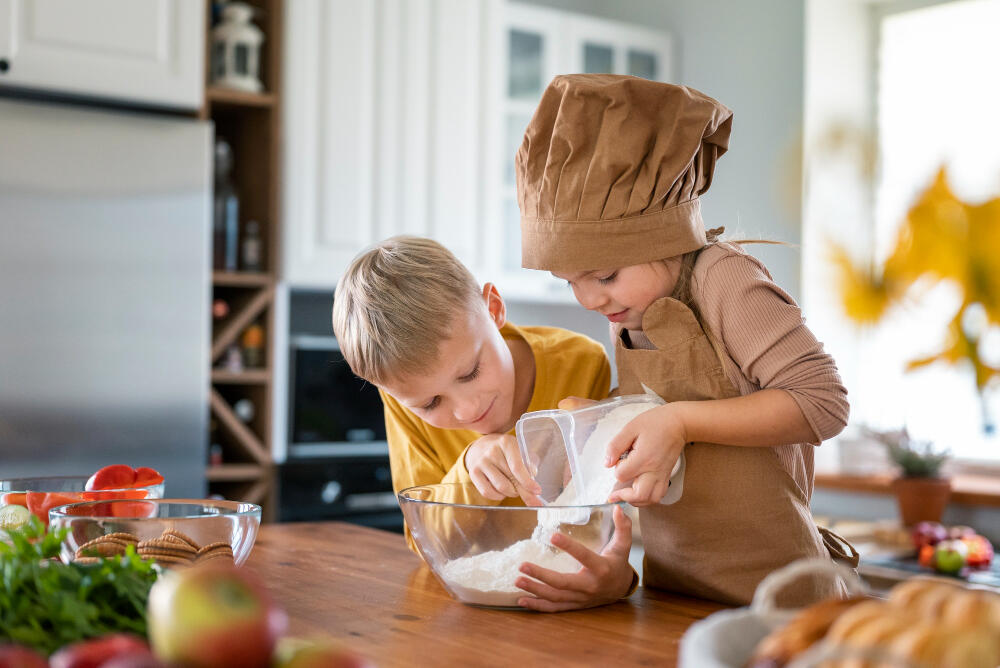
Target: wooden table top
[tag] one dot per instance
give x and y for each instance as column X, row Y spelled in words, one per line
column 363, row 586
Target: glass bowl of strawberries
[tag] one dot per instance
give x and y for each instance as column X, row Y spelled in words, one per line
column 22, row 497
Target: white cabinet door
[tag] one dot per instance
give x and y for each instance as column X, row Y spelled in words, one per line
column 382, row 130
column 530, row 45
column 147, row 51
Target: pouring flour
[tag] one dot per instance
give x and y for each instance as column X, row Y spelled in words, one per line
column 554, row 444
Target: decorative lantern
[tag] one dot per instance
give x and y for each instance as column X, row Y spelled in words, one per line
column 236, row 49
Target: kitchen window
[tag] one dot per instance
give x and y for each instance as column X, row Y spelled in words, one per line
column 933, row 78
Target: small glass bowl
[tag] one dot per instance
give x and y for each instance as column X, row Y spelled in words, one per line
column 203, row 521
column 475, row 546
column 40, row 495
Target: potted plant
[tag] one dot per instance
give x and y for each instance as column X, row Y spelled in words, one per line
column 921, row 490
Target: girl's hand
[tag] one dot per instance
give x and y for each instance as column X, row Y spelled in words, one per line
column 497, row 470
column 603, row 578
column 651, row 445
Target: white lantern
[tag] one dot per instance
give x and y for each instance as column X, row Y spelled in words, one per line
column 236, row 49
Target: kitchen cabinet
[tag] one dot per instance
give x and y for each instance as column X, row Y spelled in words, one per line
column 418, row 134
column 138, row 51
column 531, row 46
column 381, row 130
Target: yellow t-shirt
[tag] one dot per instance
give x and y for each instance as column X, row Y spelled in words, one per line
column 566, row 364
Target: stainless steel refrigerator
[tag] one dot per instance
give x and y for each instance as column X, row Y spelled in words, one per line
column 104, row 291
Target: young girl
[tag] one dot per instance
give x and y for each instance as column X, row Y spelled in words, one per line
column 608, row 178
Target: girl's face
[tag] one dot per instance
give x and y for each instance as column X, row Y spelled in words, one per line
column 472, row 384
column 622, row 295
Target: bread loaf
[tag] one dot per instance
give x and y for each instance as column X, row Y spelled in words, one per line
column 925, row 623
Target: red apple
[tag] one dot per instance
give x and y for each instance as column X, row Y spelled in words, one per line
column 18, row 656
column 949, row 556
column 928, row 533
column 135, row 660
column 324, row 653
column 115, row 476
column 213, row 616
column 960, row 531
column 94, row 653
column 980, row 551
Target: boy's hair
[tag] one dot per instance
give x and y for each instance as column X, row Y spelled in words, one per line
column 396, row 302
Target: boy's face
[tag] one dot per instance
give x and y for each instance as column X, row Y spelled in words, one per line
column 471, row 386
column 622, row 295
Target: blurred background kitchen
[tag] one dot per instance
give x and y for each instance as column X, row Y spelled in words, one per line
column 181, row 184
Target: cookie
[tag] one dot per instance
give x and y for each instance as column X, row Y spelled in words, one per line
column 121, row 535
column 180, row 537
column 173, row 546
column 105, row 546
column 167, row 561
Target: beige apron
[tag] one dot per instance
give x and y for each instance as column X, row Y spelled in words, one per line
column 741, row 516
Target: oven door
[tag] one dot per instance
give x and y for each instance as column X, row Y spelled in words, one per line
column 350, row 489
column 333, row 413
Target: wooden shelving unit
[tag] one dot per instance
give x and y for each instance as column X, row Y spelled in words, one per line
column 251, row 124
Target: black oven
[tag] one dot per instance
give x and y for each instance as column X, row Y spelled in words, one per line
column 333, row 412
column 338, row 460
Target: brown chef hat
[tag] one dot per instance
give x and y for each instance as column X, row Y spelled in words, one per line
column 610, row 171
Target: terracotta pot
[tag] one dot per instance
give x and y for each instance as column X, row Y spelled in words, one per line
column 921, row 499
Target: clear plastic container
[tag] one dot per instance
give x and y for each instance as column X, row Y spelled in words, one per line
column 565, row 450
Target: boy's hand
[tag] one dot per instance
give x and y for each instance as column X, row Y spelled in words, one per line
column 648, row 448
column 497, row 470
column 603, row 578
column 572, row 403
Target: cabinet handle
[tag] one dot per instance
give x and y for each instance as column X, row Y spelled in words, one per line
column 4, row 65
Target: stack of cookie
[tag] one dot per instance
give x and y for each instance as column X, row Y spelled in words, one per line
column 111, row 545
column 214, row 551
column 172, row 549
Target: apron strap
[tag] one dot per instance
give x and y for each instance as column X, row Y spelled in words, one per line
column 839, row 548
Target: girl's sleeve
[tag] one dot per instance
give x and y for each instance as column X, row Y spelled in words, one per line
column 762, row 329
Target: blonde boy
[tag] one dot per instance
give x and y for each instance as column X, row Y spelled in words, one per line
column 453, row 373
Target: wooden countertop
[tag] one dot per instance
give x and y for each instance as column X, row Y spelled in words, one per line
column 363, row 586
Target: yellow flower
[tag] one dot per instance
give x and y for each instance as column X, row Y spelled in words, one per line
column 942, row 239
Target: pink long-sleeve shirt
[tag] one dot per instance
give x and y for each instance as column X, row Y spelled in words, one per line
column 766, row 345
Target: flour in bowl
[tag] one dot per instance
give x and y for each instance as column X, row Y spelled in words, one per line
column 488, row 578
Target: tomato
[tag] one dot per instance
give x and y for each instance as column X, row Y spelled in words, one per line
column 108, row 495
column 40, row 503
column 116, row 476
column 145, row 476
column 14, row 499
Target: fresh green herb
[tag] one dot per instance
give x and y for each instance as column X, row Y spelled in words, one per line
column 46, row 604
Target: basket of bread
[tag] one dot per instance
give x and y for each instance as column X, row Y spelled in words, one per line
column 924, row 622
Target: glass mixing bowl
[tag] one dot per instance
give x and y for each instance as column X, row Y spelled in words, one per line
column 204, row 523
column 475, row 546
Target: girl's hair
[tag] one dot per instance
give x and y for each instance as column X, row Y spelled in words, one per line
column 682, row 289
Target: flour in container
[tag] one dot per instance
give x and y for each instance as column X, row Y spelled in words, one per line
column 488, row 578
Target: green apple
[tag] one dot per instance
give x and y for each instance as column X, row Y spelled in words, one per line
column 949, row 556
column 213, row 617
